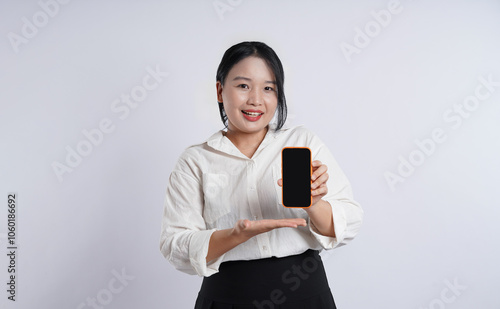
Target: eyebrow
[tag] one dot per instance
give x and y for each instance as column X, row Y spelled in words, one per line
column 248, row 79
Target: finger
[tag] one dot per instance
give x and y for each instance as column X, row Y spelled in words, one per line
column 321, row 180
column 320, row 170
column 280, row 182
column 322, row 190
column 295, row 222
column 316, row 163
column 276, row 223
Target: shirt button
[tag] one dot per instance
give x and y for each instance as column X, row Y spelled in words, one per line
column 264, row 247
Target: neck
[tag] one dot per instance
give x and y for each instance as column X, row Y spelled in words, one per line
column 246, row 140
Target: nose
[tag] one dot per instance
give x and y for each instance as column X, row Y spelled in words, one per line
column 255, row 97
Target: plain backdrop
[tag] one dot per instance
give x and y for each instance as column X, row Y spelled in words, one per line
column 374, row 79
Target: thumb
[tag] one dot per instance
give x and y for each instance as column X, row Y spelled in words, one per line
column 244, row 223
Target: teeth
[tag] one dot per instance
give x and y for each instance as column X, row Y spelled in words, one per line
column 252, row 114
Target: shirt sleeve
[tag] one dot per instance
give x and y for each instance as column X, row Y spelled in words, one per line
column 347, row 213
column 184, row 238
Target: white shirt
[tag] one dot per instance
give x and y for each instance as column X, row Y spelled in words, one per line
column 213, row 185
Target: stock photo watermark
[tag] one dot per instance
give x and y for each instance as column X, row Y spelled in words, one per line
column 372, row 29
column 222, row 7
column 453, row 116
column 121, row 107
column 105, row 296
column 292, row 277
column 214, row 190
column 49, row 9
column 12, row 246
column 449, row 294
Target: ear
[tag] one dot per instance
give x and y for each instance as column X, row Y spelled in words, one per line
column 218, row 85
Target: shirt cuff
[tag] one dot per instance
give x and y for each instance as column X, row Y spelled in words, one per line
column 339, row 225
column 198, row 250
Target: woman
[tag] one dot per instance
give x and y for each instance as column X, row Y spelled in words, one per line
column 223, row 216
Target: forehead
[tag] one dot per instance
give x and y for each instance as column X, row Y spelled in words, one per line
column 252, row 67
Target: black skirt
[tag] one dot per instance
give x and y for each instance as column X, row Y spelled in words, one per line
column 292, row 282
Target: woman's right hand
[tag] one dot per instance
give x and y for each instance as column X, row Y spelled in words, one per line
column 222, row 241
column 245, row 229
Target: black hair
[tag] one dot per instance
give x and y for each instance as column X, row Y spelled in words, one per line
column 242, row 50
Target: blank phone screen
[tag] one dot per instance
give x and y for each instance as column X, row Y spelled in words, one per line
column 296, row 175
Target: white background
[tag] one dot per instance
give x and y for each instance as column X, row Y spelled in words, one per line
column 439, row 227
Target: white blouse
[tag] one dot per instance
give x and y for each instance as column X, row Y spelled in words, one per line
column 213, row 185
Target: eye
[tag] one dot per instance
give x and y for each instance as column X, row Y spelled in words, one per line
column 243, row 86
column 269, row 88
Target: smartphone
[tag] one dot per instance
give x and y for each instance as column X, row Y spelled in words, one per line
column 296, row 170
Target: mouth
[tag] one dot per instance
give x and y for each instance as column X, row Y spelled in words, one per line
column 252, row 115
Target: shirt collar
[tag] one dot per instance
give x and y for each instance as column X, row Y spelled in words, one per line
column 219, row 142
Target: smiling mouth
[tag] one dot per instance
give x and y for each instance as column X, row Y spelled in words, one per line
column 252, row 114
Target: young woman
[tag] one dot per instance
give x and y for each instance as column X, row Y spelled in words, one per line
column 223, row 218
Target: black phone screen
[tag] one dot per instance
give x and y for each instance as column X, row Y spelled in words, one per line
column 296, row 175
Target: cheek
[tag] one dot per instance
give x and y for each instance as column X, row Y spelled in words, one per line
column 273, row 107
column 234, row 99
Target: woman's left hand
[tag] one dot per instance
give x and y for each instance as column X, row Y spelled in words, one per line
column 319, row 177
